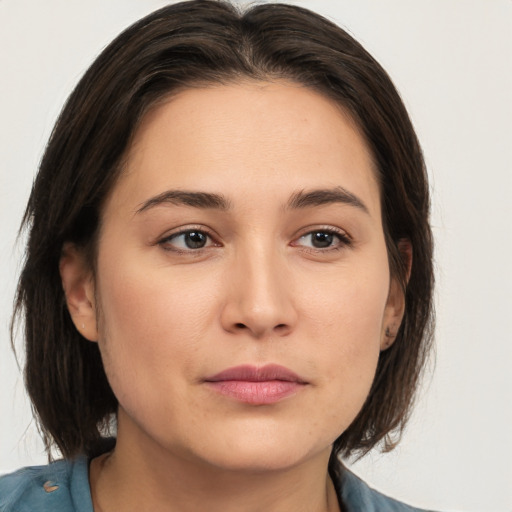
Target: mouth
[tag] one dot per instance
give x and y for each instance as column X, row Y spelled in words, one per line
column 257, row 386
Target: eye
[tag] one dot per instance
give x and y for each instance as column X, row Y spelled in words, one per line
column 189, row 240
column 323, row 239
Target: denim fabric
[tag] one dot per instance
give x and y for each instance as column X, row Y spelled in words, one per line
column 63, row 486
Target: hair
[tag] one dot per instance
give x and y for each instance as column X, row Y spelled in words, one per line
column 189, row 44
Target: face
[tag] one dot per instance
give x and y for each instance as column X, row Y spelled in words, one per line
column 242, row 281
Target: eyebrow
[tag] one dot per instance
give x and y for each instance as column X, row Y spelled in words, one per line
column 304, row 199
column 202, row 200
column 298, row 200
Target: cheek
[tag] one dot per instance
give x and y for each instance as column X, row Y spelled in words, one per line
column 345, row 322
column 349, row 307
column 143, row 299
column 151, row 325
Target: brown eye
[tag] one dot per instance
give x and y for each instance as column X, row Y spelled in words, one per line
column 195, row 239
column 187, row 240
column 323, row 239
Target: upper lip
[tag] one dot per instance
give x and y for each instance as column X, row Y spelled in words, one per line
column 251, row 373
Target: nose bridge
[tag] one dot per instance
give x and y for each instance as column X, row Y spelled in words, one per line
column 260, row 302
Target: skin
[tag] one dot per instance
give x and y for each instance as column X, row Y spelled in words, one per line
column 260, row 291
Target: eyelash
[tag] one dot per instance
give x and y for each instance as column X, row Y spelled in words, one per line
column 165, row 242
column 344, row 240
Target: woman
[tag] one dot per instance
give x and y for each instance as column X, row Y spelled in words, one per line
column 229, row 270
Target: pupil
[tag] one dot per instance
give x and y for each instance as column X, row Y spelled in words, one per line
column 195, row 240
column 321, row 239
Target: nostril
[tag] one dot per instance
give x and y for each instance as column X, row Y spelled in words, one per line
column 240, row 326
column 281, row 329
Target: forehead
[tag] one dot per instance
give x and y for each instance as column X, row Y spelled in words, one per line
column 248, row 138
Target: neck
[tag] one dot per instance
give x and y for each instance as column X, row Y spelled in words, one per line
column 144, row 476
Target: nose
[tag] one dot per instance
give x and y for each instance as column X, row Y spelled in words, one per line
column 259, row 299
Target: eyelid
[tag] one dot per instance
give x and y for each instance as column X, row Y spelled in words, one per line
column 325, row 228
column 345, row 240
column 344, row 237
column 164, row 240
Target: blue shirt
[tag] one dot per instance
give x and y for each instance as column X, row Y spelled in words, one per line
column 63, row 486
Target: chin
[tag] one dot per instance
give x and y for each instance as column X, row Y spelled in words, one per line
column 261, row 452
column 255, row 461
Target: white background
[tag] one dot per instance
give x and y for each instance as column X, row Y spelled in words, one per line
column 451, row 61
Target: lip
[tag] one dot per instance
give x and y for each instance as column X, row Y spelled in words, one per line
column 256, row 385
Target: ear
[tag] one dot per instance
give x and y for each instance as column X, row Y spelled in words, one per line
column 395, row 305
column 78, row 285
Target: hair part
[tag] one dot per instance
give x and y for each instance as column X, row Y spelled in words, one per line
column 189, row 44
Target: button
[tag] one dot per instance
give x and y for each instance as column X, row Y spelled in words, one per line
column 50, row 486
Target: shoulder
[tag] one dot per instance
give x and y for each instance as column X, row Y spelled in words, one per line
column 357, row 495
column 61, row 486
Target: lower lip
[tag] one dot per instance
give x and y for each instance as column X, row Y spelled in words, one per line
column 256, row 393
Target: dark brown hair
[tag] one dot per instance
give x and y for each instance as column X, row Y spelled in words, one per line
column 180, row 46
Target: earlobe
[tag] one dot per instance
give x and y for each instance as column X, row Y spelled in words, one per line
column 78, row 285
column 393, row 315
column 389, row 336
column 395, row 306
